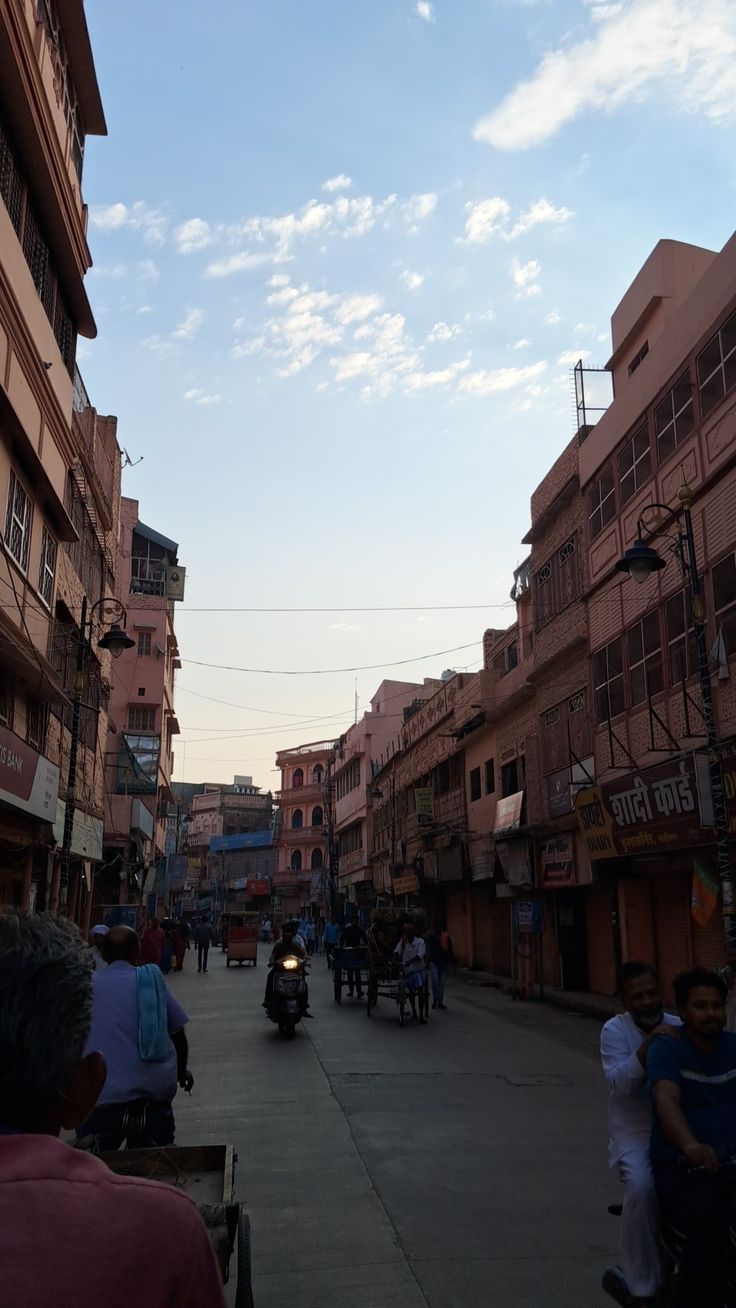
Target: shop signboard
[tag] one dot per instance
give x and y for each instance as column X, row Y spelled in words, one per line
column 528, row 917
column 424, row 806
column 28, row 781
column 562, row 785
column 259, row 886
column 508, row 813
column 177, row 871
column 406, row 884
column 557, row 860
column 86, row 833
column 652, row 811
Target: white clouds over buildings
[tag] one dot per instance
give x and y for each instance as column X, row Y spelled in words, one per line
column 139, row 216
column 424, row 10
column 197, row 396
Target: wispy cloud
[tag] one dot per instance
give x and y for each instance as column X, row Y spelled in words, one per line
column 682, row 49
column 197, row 396
column 413, row 281
column 541, row 211
column 524, row 277
column 443, row 331
column 236, row 263
column 340, row 183
column 500, row 379
column 195, row 234
column 424, row 10
column 552, row 318
column 569, row 358
column 491, row 217
column 112, row 271
column 189, row 326
column 523, row 344
column 138, row 217
column 417, row 208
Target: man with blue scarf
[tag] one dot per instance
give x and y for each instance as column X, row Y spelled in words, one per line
column 138, row 1026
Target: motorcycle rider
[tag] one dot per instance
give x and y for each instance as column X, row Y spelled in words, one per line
column 288, row 944
column 625, row 1042
column 693, row 1083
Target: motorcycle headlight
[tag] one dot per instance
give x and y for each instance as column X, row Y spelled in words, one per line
column 290, row 964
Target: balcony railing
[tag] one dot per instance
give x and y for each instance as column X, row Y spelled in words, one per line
column 302, row 836
column 298, row 796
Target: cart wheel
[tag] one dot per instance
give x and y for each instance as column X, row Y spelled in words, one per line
column 244, row 1292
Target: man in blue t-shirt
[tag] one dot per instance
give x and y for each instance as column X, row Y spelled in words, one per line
column 693, row 1083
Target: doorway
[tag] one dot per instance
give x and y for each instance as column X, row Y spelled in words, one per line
column 572, row 940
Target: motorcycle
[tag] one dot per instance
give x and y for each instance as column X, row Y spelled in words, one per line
column 289, row 996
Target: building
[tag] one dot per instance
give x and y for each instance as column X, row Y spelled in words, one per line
column 303, row 836
column 356, row 758
column 646, row 823
column 49, row 104
column 219, row 819
column 143, row 723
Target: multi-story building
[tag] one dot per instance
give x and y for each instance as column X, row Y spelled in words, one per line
column 49, row 103
column 221, row 820
column 143, row 723
column 303, row 827
column 646, row 823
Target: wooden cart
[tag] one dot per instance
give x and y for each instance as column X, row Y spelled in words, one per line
column 349, row 960
column 206, row 1173
column 242, row 939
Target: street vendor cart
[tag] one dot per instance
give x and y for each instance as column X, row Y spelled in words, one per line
column 346, row 961
column 206, row 1173
column 385, row 975
column 242, row 939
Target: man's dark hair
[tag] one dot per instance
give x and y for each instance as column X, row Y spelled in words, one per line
column 698, row 976
column 631, row 971
column 45, row 1014
column 121, row 945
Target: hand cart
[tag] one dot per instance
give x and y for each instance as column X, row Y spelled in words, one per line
column 349, row 960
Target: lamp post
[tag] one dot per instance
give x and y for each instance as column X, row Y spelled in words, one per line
column 115, row 640
column 640, row 561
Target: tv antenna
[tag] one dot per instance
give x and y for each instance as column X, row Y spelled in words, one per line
column 130, row 463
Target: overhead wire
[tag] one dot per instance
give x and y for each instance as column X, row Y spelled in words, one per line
column 324, row 672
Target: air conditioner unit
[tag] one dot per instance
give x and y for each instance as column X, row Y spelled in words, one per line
column 175, row 579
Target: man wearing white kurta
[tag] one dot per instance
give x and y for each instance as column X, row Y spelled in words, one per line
column 625, row 1040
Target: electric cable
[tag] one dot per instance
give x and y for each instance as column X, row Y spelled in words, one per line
column 324, row 672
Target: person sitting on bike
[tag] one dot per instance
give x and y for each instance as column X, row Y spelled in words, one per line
column 625, row 1041
column 72, row 1232
column 693, row 1083
column 288, row 944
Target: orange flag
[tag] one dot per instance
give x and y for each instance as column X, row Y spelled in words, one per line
column 705, row 894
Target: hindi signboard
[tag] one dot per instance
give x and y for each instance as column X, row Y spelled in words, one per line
column 424, row 806
column 406, row 884
column 557, row 860
column 654, row 810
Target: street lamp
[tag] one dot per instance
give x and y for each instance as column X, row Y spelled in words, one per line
column 115, row 641
column 640, row 562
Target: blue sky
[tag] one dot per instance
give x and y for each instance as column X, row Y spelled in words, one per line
column 346, row 253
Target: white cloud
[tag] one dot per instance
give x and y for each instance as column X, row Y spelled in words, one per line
column 356, row 308
column 345, row 626
column 444, row 331
column 147, row 270
column 569, row 358
column 145, row 308
column 417, row 208
column 524, row 277
column 236, row 263
column 439, row 379
column 113, row 271
column 541, row 211
column 412, row 280
column 197, row 396
column 552, row 318
column 194, row 234
column 485, row 218
column 340, row 183
column 523, row 344
column 189, row 326
column 682, row 49
column 499, row 379
column 138, row 217
column 423, row 9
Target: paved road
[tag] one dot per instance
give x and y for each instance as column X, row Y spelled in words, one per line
column 458, row 1164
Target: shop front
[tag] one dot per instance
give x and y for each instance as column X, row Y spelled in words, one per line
column 29, row 787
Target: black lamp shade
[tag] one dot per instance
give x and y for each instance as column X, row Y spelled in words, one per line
column 116, row 640
column 640, row 561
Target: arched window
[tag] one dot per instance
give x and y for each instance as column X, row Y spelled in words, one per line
column 298, row 778
column 316, row 859
column 296, row 861
column 318, row 774
column 297, row 820
column 317, row 816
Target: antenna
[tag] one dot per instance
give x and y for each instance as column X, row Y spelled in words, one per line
column 356, row 701
column 130, row 463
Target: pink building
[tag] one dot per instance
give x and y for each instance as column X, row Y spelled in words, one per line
column 303, row 840
column 143, row 722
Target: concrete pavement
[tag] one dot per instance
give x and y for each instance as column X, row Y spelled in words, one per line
column 459, row 1164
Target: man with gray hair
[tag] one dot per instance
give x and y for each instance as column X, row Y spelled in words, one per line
column 65, row 1219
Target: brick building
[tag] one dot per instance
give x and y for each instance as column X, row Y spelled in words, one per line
column 302, row 830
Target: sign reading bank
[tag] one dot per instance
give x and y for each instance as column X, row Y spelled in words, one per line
column 28, row 781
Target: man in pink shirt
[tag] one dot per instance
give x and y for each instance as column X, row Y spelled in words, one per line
column 72, row 1233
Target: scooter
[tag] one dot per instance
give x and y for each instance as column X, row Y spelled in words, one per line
column 290, row 995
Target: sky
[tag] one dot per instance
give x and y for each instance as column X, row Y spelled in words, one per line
column 346, row 254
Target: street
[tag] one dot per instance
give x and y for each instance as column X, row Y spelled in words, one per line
column 461, row 1163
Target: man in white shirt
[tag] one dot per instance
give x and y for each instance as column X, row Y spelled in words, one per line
column 625, row 1040
column 411, row 952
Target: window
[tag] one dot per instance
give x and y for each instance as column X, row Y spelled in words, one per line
column 140, row 718
column 296, row 861
column 47, row 568
column 6, row 704
column 148, row 563
column 318, row 774
column 634, row 464
column 682, row 657
column 601, row 503
column 36, row 719
column 565, row 733
column 644, row 649
column 568, row 586
column 297, row 820
column 724, row 600
column 608, row 675
column 512, row 656
column 640, row 354
column 490, row 776
column 298, row 778
column 717, row 366
column 316, row 860
column 18, row 522
column 544, row 595
column 144, row 643
column 351, row 840
column 475, row 790
column 556, row 583
column 673, row 417
column 317, row 816
column 510, row 778
column 348, row 779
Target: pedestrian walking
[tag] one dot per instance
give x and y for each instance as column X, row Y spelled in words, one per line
column 354, row 937
column 441, row 956
column 97, row 941
column 153, row 943
column 203, row 938
column 310, row 938
column 138, row 1027
column 266, row 930
column 331, row 939
column 181, row 943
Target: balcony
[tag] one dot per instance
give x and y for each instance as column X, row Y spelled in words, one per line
column 300, row 796
column 302, row 836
